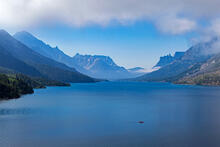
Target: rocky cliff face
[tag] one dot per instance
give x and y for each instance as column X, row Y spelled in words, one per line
column 96, row 66
column 165, row 60
column 100, row 66
column 22, row 59
column 195, row 61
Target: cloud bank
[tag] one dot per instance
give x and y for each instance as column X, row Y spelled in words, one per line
column 169, row 16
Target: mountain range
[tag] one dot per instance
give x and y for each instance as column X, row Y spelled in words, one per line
column 102, row 67
column 18, row 58
column 200, row 65
column 165, row 60
column 25, row 54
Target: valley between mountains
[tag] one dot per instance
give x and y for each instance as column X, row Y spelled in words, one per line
column 27, row 62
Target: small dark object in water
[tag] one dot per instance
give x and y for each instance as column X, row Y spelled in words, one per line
column 140, row 122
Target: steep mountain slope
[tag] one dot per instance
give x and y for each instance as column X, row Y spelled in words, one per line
column 43, row 48
column 10, row 62
column 207, row 73
column 48, row 68
column 165, row 60
column 100, row 66
column 96, row 66
column 187, row 64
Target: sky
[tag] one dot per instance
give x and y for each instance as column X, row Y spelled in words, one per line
column 132, row 32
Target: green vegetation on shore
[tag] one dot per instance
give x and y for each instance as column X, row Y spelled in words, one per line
column 210, row 79
column 15, row 85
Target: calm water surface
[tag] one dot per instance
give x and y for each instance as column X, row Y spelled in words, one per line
column 107, row 114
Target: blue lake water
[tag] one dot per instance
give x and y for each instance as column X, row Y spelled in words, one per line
column 107, row 114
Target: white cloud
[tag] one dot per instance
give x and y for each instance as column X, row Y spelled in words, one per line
column 170, row 16
column 215, row 27
column 175, row 25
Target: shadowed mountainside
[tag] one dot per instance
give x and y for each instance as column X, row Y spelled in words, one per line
column 102, row 67
column 199, row 65
column 31, row 63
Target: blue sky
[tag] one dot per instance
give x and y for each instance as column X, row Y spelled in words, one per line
column 132, row 32
column 137, row 44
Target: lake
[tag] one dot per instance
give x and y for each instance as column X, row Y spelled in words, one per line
column 108, row 114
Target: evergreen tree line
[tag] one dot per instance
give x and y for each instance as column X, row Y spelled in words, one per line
column 15, row 85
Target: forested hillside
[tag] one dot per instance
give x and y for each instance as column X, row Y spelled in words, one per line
column 15, row 85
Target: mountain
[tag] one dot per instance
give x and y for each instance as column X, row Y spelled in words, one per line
column 188, row 64
column 7, row 61
column 165, row 60
column 22, row 59
column 198, row 65
column 102, row 67
column 207, row 73
column 137, row 71
column 43, row 48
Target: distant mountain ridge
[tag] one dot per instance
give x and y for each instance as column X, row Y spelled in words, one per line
column 95, row 66
column 165, row 60
column 200, row 65
column 100, row 66
column 21, row 59
column 43, row 48
column 136, row 69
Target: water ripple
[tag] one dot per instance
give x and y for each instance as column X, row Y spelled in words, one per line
column 16, row 111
